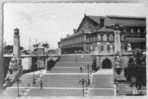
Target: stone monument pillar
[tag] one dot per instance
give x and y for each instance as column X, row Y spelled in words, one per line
column 117, row 42
column 15, row 67
column 16, row 43
column 117, row 50
column 16, row 46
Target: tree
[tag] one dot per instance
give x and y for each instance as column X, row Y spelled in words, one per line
column 21, row 48
column 50, row 64
column 45, row 45
column 136, row 70
column 140, row 64
column 36, row 45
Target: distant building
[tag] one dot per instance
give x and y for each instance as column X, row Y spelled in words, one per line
column 27, row 63
column 54, row 51
column 38, row 61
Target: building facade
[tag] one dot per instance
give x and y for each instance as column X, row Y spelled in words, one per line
column 97, row 35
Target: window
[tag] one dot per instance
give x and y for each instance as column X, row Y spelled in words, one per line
column 124, row 30
column 90, row 39
column 104, row 38
column 122, row 37
column 132, row 30
column 101, row 22
column 108, row 47
column 87, row 39
column 111, row 37
column 99, row 37
column 94, row 38
column 138, row 30
column 107, row 37
column 91, row 48
column 102, row 48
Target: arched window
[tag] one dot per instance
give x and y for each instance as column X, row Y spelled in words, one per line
column 106, row 64
column 111, row 37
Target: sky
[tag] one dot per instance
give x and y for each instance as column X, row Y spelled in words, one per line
column 49, row 22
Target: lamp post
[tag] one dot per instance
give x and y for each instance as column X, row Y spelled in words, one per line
column 83, row 82
column 18, row 91
column 33, row 82
column 88, row 68
column 88, row 71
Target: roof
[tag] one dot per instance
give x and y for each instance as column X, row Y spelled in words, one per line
column 126, row 17
column 110, row 20
column 123, row 20
column 131, row 22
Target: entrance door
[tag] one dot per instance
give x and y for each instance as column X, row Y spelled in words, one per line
column 106, row 64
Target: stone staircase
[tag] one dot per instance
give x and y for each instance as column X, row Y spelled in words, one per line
column 64, row 79
column 123, row 89
column 102, row 84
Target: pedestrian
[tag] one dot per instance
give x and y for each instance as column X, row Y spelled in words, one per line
column 88, row 82
column 34, row 80
column 80, row 69
column 41, row 84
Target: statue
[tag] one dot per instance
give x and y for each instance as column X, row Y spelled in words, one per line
column 15, row 67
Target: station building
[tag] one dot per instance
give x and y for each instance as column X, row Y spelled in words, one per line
column 96, row 35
